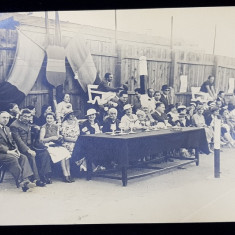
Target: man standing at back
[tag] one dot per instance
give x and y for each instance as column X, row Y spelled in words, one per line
column 11, row 158
column 21, row 132
column 148, row 100
column 165, row 97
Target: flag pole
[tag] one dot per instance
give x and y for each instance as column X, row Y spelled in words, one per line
column 214, row 41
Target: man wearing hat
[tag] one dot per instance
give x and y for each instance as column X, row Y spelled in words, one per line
column 183, row 121
column 21, row 133
column 165, row 97
column 207, row 113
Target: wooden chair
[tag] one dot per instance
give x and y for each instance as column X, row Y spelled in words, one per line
column 2, row 172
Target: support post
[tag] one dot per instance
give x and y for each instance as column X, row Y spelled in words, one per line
column 217, row 130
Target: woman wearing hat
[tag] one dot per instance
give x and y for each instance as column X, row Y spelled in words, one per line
column 90, row 126
column 70, row 130
column 49, row 135
column 128, row 119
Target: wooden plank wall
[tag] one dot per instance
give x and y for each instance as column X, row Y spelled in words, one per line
column 8, row 41
column 197, row 66
column 158, row 65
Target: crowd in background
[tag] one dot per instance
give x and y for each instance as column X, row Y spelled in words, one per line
column 37, row 142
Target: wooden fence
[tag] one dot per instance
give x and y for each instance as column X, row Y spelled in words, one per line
column 163, row 65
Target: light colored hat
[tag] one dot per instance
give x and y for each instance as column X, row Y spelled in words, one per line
column 67, row 114
column 182, row 107
column 127, row 106
column 90, row 112
column 140, row 112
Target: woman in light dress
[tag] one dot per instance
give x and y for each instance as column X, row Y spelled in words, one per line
column 50, row 136
column 70, row 130
column 129, row 119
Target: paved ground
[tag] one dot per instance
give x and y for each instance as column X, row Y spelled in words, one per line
column 183, row 195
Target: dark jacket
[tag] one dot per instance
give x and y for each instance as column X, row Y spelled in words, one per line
column 107, row 124
column 104, row 86
column 21, row 134
column 187, row 123
column 120, row 110
column 165, row 102
column 160, row 118
column 6, row 145
column 86, row 128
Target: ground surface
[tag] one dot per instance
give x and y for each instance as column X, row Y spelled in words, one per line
column 183, row 195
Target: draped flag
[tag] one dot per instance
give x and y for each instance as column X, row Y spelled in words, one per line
column 81, row 61
column 24, row 72
column 55, row 71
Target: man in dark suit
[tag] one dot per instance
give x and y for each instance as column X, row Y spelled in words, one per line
column 123, row 100
column 11, row 158
column 159, row 114
column 111, row 121
column 165, row 97
column 21, row 132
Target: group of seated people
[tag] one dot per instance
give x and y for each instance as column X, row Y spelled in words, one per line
column 30, row 144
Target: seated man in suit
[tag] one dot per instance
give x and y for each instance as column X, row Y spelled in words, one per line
column 106, row 82
column 21, row 132
column 159, row 115
column 109, row 91
column 11, row 158
column 111, row 122
column 123, row 100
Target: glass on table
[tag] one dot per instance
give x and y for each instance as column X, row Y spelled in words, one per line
column 132, row 125
column 121, row 126
column 113, row 128
column 147, row 123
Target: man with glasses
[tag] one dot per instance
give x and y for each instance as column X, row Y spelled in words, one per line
column 21, row 132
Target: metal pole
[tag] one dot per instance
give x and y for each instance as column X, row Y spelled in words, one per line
column 115, row 12
column 214, row 41
column 217, row 132
column 171, row 33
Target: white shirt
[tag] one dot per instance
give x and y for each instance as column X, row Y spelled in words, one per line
column 127, row 120
column 145, row 100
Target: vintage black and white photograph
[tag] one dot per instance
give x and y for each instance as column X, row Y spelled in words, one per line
column 117, row 116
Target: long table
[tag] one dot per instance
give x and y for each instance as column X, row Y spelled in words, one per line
column 124, row 149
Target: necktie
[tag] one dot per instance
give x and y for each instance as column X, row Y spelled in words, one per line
column 7, row 137
column 29, row 136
